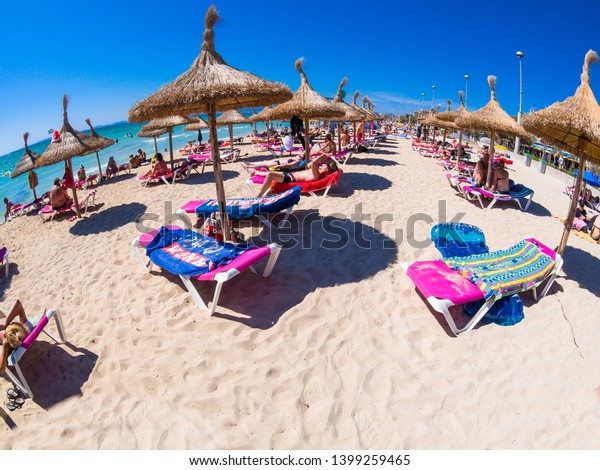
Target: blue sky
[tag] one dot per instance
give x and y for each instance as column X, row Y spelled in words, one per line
column 108, row 54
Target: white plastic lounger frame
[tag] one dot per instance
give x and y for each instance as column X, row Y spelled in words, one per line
column 220, row 278
column 443, row 305
column 260, row 217
column 87, row 201
column 17, row 354
column 501, row 197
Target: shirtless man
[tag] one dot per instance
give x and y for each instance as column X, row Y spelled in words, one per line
column 480, row 173
column 312, row 173
column 59, row 197
column 344, row 139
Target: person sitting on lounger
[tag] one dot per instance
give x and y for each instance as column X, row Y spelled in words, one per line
column 312, row 173
column 59, row 197
column 81, row 174
column 12, row 333
column 500, row 182
column 328, row 147
column 159, row 168
column 279, row 162
column 344, row 138
column 111, row 168
column 481, row 169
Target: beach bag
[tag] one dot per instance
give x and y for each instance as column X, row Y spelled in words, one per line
column 213, row 229
column 507, row 311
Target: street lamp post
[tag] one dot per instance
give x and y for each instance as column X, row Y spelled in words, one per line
column 466, row 90
column 433, row 87
column 422, row 100
column 520, row 55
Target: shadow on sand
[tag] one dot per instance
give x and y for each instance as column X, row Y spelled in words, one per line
column 207, row 177
column 373, row 161
column 13, row 270
column 318, row 252
column 350, row 182
column 108, row 220
column 583, row 268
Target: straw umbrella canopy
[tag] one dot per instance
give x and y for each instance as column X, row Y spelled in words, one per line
column 210, row 85
column 572, row 125
column 27, row 164
column 350, row 113
column 492, row 118
column 72, row 143
column 306, row 103
column 168, row 122
column 229, row 118
column 99, row 144
column 437, row 122
column 452, row 116
column 263, row 116
column 143, row 132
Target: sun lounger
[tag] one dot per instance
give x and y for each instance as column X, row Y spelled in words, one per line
column 525, row 266
column 517, row 193
column 4, row 261
column 245, row 208
column 14, row 357
column 47, row 213
column 227, row 156
column 184, row 171
column 167, row 178
column 306, row 187
column 171, row 258
column 343, row 157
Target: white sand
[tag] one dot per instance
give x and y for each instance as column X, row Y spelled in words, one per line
column 335, row 350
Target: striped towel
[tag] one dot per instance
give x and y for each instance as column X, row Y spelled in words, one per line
column 504, row 272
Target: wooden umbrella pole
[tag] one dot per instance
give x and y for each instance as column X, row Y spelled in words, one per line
column 306, row 140
column 339, row 136
column 171, row 148
column 231, row 136
column 354, row 127
column 572, row 208
column 70, row 167
column 490, row 170
column 214, row 149
column 99, row 168
column 458, row 152
column 155, row 145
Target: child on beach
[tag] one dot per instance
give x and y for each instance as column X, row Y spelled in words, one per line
column 12, row 333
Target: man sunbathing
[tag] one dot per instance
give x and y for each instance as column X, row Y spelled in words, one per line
column 59, row 197
column 314, row 172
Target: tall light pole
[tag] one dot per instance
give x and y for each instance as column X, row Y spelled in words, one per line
column 520, row 55
column 422, row 101
column 466, row 90
column 433, row 87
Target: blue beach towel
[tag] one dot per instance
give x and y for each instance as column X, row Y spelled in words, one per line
column 189, row 253
column 244, row 208
column 458, row 240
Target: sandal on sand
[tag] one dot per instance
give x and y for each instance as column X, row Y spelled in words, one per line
column 15, row 404
column 12, row 393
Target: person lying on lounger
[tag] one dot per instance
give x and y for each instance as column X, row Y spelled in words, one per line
column 328, row 147
column 12, row 333
column 314, row 172
column 59, row 197
column 279, row 162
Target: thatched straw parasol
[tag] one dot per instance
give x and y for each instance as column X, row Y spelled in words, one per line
column 27, row 164
column 154, row 133
column 99, row 144
column 574, row 126
column 359, row 110
column 306, row 103
column 350, row 113
column 72, row 144
column 168, row 123
column 229, row 118
column 452, row 116
column 208, row 86
column 435, row 121
column 492, row 118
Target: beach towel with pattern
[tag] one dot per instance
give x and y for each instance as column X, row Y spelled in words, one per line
column 504, row 272
column 189, row 253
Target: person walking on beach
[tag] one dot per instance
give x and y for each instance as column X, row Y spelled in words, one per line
column 9, row 206
column 297, row 129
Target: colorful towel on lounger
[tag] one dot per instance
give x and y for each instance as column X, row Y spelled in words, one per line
column 504, row 272
column 244, row 208
column 189, row 253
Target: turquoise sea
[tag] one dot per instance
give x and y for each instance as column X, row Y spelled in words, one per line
column 17, row 189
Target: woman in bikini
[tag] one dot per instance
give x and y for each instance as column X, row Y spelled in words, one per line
column 500, row 181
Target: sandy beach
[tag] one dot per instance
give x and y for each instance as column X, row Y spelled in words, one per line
column 335, row 350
